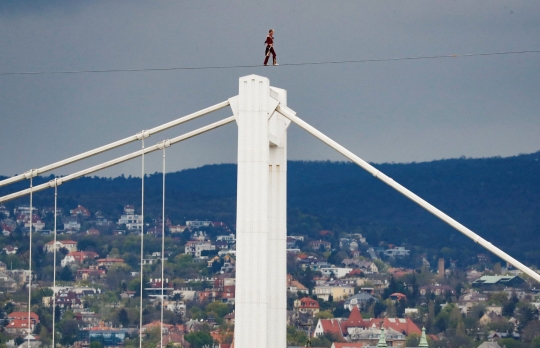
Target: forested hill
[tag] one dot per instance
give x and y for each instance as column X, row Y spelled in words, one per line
column 498, row 198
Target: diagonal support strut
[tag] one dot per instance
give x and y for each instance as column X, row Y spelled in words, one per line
column 409, row 194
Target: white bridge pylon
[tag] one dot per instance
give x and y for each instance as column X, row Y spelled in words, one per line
column 262, row 117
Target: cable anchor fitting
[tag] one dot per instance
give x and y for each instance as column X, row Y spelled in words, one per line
column 164, row 144
column 56, row 182
column 31, row 173
column 143, row 134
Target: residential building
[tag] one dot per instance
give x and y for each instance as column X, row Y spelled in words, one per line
column 294, row 286
column 37, row 223
column 22, row 276
column 436, row 289
column 197, row 224
column 154, row 288
column 105, row 335
column 19, row 327
column 24, row 210
column 178, row 307
column 337, row 292
column 71, row 223
column 70, row 245
column 177, row 228
column 18, row 322
column 7, row 283
column 306, row 305
column 78, row 257
column 93, row 232
column 470, row 299
column 10, row 250
column 338, row 272
column 358, row 329
column 80, row 211
column 109, row 261
column 318, row 244
column 361, row 300
column 397, row 251
column 196, row 247
column 90, row 273
column 132, row 221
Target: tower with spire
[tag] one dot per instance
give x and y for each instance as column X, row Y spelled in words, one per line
column 382, row 339
column 423, row 340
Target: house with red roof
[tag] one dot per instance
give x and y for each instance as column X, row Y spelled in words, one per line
column 37, row 223
column 398, row 296
column 10, row 250
column 78, row 257
column 6, row 229
column 346, row 345
column 80, row 210
column 34, row 318
column 18, row 327
column 93, row 232
column 157, row 324
column 18, row 322
column 109, row 261
column 306, row 305
column 358, row 328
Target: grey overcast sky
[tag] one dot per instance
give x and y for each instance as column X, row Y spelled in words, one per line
column 399, row 111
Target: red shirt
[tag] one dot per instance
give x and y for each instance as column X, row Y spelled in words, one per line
column 269, row 40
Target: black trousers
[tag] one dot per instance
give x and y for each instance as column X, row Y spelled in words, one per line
column 267, row 53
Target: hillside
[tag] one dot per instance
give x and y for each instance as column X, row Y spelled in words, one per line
column 498, row 198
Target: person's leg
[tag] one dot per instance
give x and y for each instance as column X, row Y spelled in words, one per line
column 274, row 56
column 267, row 55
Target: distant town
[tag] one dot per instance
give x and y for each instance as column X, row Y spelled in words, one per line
column 343, row 290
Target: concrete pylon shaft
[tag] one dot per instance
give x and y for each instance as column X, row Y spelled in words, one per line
column 260, row 303
column 277, row 261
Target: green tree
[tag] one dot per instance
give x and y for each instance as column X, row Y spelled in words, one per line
column 69, row 331
column 65, row 274
column 413, row 340
column 96, row 344
column 199, row 339
column 511, row 343
column 219, row 308
column 123, row 317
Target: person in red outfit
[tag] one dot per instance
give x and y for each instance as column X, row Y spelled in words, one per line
column 270, row 47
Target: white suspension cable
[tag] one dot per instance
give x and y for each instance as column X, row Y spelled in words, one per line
column 54, row 263
column 138, row 136
column 142, row 249
column 30, row 265
column 291, row 115
column 163, row 249
column 119, row 159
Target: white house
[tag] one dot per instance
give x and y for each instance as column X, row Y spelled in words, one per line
column 195, row 224
column 339, row 272
column 397, row 251
column 72, row 223
column 132, row 221
column 195, row 247
column 70, row 245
